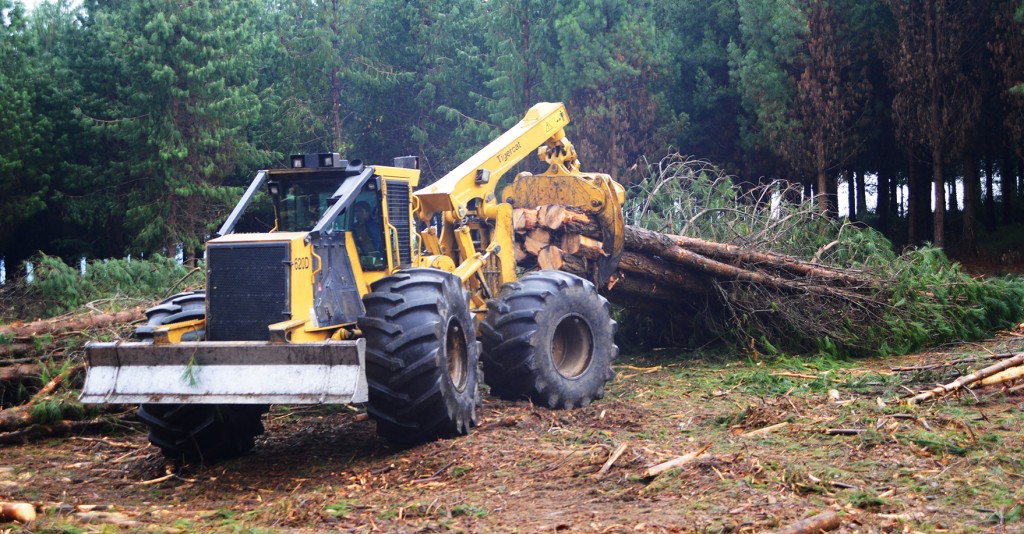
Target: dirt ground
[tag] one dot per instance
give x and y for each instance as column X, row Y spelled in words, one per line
column 951, row 465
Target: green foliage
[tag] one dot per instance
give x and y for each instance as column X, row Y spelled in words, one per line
column 24, row 175
column 59, row 288
column 934, row 301
column 921, row 298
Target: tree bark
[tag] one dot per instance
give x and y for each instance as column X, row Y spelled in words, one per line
column 862, row 196
column 16, row 374
column 972, row 186
column 913, row 204
column 822, row 198
column 939, row 190
column 28, row 330
column 882, row 207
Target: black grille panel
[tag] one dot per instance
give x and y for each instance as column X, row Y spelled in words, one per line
column 247, row 290
column 398, row 216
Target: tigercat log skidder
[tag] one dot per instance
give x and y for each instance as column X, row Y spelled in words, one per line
column 343, row 301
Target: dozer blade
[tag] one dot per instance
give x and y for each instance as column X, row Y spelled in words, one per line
column 226, row 372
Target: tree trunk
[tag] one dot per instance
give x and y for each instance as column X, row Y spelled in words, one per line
column 972, row 186
column 832, row 190
column 882, row 203
column 822, row 196
column 862, row 196
column 939, row 190
column 914, row 230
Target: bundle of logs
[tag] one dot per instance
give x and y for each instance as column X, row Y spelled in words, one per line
column 51, row 349
column 656, row 269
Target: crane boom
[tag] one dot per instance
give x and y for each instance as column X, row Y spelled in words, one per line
column 477, row 177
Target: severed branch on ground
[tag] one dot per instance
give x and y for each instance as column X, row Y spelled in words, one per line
column 978, row 376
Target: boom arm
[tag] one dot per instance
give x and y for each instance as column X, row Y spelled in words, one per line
column 477, row 234
column 477, row 177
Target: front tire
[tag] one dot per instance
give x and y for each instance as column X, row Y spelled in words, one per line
column 549, row 337
column 421, row 357
column 203, row 433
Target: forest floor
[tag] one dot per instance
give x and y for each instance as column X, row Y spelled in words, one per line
column 952, row 464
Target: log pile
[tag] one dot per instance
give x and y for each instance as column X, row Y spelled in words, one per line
column 658, row 269
column 41, row 367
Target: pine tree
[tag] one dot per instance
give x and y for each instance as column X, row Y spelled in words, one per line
column 24, row 180
column 938, row 99
column 184, row 101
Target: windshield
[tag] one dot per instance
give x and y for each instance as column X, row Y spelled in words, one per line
column 302, row 204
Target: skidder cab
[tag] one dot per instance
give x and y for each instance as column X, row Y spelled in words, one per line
column 343, row 301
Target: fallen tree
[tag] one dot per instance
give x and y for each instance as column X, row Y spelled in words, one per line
column 705, row 258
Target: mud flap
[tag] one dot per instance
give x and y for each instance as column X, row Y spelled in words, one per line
column 226, row 372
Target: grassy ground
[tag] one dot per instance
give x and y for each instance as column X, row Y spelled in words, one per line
column 952, row 465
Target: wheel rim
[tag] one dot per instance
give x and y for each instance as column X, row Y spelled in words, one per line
column 572, row 346
column 458, row 355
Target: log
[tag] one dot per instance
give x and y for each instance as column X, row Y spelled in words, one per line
column 822, row 522
column 536, row 240
column 551, row 216
column 571, row 243
column 518, row 252
column 556, row 217
column 16, row 374
column 81, row 322
column 649, row 242
column 663, row 272
column 1014, row 373
column 15, row 417
column 18, row 417
column 16, row 350
column 21, row 512
column 967, row 380
column 550, row 257
column 524, row 220
column 727, row 252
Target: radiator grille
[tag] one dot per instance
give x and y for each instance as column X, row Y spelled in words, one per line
column 247, row 290
column 398, row 216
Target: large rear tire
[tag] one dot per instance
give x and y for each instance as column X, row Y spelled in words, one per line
column 549, row 337
column 421, row 357
column 203, row 433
